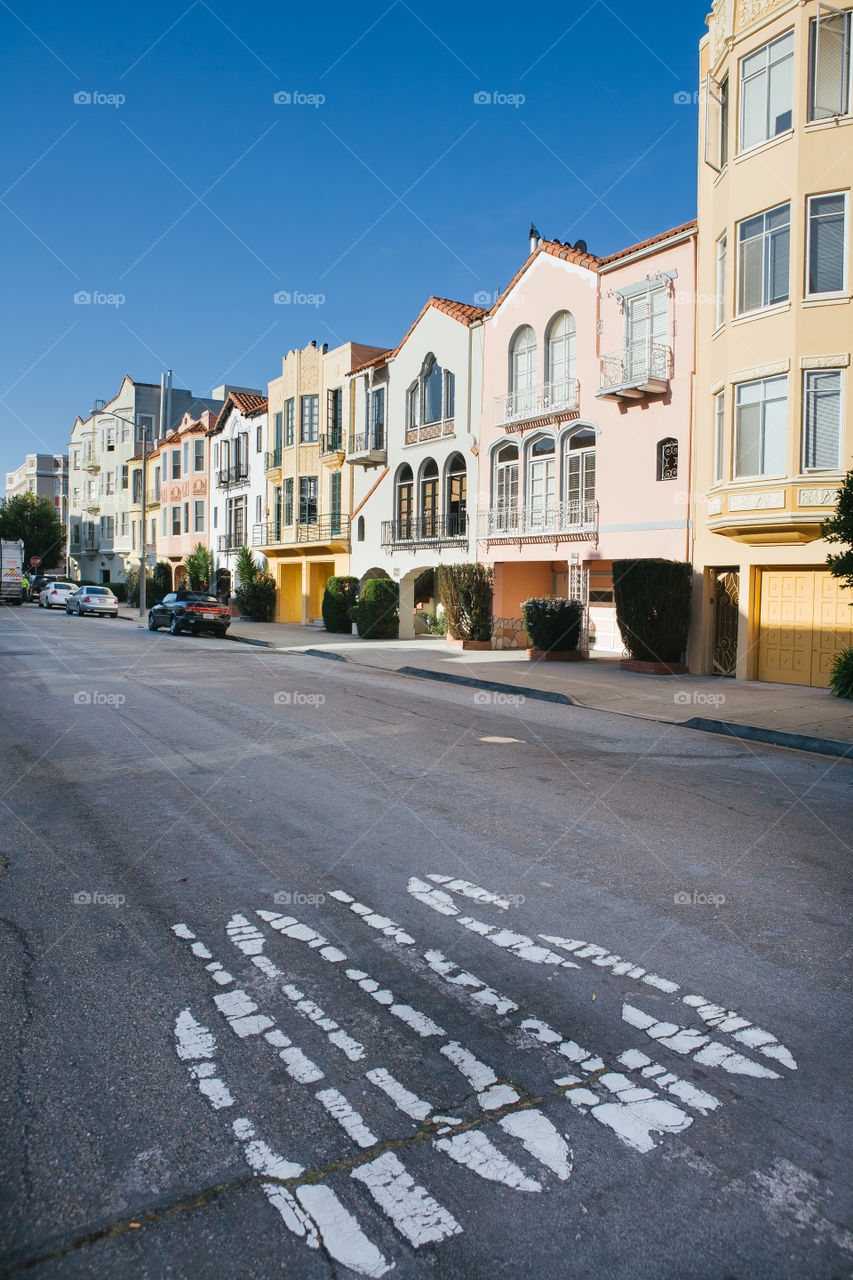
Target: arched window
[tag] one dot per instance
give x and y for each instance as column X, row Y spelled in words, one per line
column 523, row 372
column 579, row 478
column 404, row 501
column 541, row 476
column 432, row 391
column 360, row 529
column 667, row 465
column 429, row 498
column 504, row 513
column 456, row 504
column 561, row 360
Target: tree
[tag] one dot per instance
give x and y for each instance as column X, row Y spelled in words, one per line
column 839, row 530
column 36, row 521
column 199, row 568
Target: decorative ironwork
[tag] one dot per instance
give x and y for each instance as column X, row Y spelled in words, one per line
column 668, row 460
column 332, row 442
column 726, row 613
column 428, row 530
column 636, row 366
column 560, row 396
column 366, row 445
column 565, row 520
column 578, row 589
column 272, row 459
column 232, row 541
column 235, row 474
column 329, row 528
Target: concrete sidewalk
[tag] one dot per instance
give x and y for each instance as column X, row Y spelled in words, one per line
column 812, row 718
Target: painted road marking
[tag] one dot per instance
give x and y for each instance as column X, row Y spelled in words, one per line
column 413, row 1211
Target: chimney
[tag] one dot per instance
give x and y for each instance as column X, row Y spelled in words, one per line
column 534, row 238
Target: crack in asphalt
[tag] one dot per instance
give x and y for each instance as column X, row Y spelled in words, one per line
column 426, row 1132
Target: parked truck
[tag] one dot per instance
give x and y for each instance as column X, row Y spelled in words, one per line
column 11, row 572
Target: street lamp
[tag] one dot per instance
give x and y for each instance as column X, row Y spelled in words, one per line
column 141, row 431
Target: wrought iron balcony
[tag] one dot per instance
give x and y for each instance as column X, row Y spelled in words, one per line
column 91, row 465
column 367, row 448
column 322, row 529
column 272, row 459
column 332, row 443
column 90, row 541
column 574, row 520
column 231, row 541
column 428, row 530
column 556, row 399
column 152, row 498
column 235, row 474
column 645, row 369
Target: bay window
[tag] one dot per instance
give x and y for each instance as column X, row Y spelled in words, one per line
column 761, row 427
column 829, row 65
column 764, row 259
column 822, row 400
column 767, row 92
column 826, row 251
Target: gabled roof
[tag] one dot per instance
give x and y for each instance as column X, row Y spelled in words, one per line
column 466, row 313
column 684, row 229
column 556, row 250
column 248, row 405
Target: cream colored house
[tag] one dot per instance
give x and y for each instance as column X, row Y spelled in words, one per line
column 774, row 404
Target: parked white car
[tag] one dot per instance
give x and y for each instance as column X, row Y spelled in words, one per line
column 92, row 600
column 56, row 593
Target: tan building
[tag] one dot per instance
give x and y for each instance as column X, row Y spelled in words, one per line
column 774, row 408
column 305, row 529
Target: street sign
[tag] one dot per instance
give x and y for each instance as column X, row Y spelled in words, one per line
column 150, row 560
column 35, row 561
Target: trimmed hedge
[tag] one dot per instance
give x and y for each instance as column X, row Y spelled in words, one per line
column 653, row 605
column 338, row 598
column 256, row 599
column 841, row 675
column 378, row 610
column 552, row 623
column 466, row 593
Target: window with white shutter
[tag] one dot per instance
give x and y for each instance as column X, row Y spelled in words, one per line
column 829, row 63
column 822, row 400
column 827, row 242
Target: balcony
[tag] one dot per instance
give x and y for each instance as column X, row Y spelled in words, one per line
column 231, row 541
column 236, row 474
column 321, row 530
column 92, row 466
column 550, row 402
column 426, row 431
column 152, row 498
column 367, row 449
column 635, row 372
column 272, row 459
column 426, row 531
column 90, row 542
column 332, row 448
column 564, row 522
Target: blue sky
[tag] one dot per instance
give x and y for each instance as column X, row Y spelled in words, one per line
column 197, row 198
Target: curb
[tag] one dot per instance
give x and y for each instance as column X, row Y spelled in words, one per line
column 771, row 737
column 492, row 686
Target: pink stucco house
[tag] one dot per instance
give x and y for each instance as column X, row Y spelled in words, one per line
column 184, row 491
column 585, row 433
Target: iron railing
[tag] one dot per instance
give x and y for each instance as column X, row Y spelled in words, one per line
column 272, row 459
column 232, row 541
column 152, row 498
column 636, row 366
column 562, row 395
column 425, row 530
column 565, row 519
column 332, row 442
column 234, row 474
column 365, row 444
column 328, row 528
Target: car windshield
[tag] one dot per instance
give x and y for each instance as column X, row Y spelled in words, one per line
column 197, row 597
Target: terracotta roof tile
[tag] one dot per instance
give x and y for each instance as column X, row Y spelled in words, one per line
column 248, row 405
column 649, row 244
column 466, row 313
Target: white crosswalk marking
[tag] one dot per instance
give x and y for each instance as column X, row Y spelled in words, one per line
column 413, row 1211
column 686, row 1040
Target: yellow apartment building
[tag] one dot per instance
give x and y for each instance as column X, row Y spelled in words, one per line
column 774, row 403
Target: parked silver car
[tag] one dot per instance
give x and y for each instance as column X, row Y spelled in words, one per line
column 92, row 600
column 55, row 594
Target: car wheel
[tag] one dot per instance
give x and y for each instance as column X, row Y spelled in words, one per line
column 222, row 633
column 41, row 603
column 79, row 611
column 174, row 626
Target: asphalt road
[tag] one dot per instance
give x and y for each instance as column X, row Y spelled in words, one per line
column 313, row 971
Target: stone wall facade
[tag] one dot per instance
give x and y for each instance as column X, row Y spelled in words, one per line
column 509, row 633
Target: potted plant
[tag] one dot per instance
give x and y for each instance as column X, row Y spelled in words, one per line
column 554, row 628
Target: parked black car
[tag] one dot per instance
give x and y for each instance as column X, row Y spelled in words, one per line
column 190, row 611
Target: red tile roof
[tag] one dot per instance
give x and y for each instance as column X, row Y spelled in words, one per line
column 684, row 229
column 248, row 405
column 557, row 250
column 465, row 312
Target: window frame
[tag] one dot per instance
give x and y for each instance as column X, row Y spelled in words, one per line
column 765, row 48
column 809, row 374
column 311, row 422
column 763, row 382
column 814, row 49
column 845, row 248
column 198, row 515
column 198, row 455
column 289, row 421
column 764, row 305
column 718, row 460
column 722, row 279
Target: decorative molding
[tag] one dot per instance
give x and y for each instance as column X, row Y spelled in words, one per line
column 718, row 386
column 817, row 497
column 762, row 371
column 840, row 361
column 773, row 499
column 715, row 506
column 750, row 11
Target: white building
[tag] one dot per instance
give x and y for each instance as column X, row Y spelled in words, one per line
column 413, row 450
column 46, row 476
column 238, row 486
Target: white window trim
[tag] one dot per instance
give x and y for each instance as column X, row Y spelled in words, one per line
column 810, row 472
column 836, row 293
column 783, row 35
column 765, row 308
column 760, row 475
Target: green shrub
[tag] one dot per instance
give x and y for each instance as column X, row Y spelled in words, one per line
column 338, row 598
column 256, row 599
column 436, row 623
column 161, row 578
column 466, row 593
column 552, row 623
column 653, row 603
column 378, row 610
column 841, row 675
column 119, row 590
column 199, row 568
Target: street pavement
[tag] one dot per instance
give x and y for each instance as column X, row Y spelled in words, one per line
column 322, row 971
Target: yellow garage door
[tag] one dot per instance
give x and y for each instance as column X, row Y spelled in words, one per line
column 805, row 618
column 290, row 593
